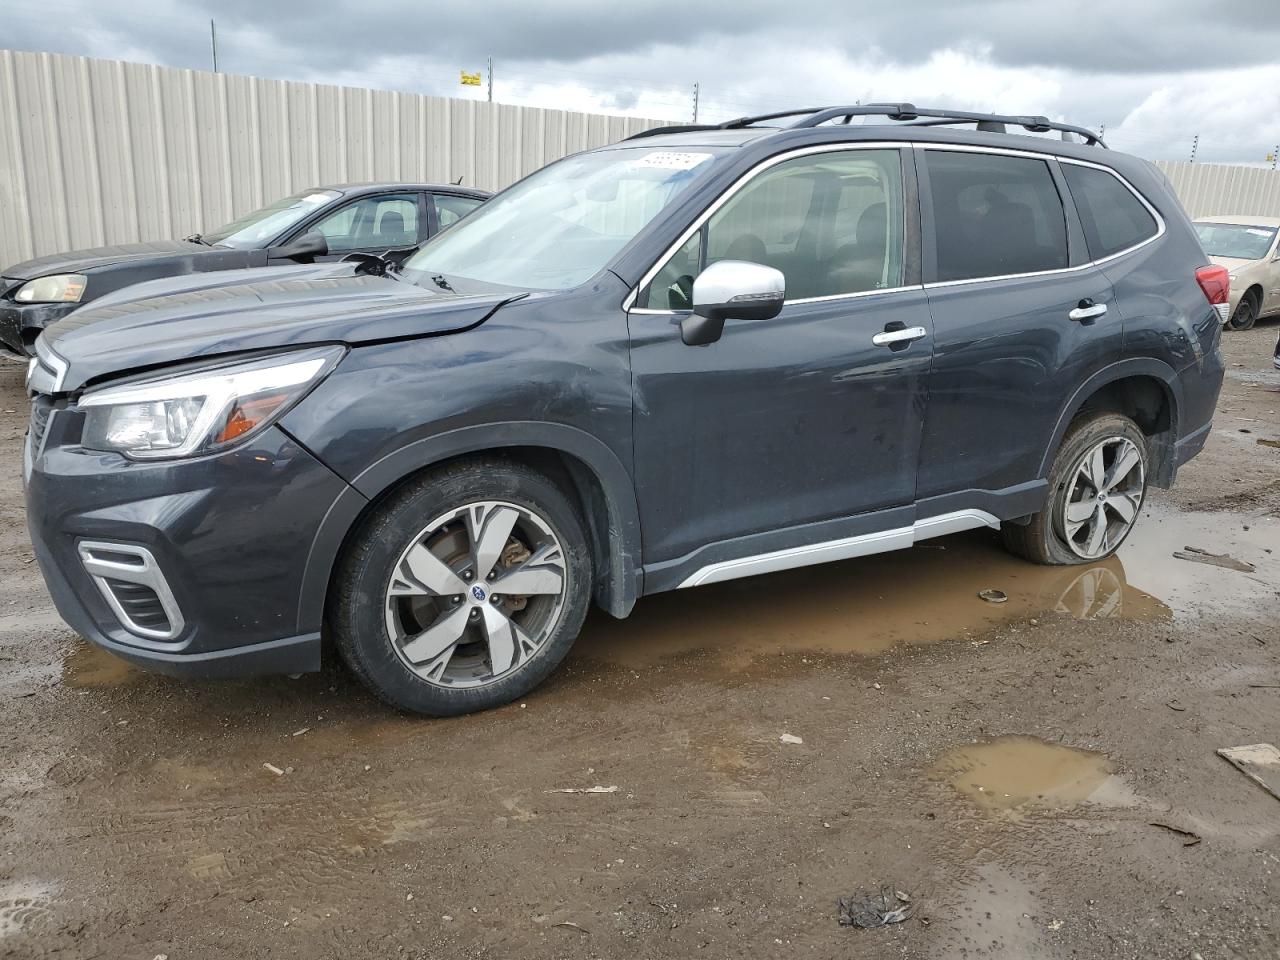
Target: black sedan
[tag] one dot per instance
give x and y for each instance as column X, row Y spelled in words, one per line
column 323, row 223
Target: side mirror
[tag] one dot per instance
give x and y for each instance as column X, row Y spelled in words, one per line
column 732, row 290
column 305, row 249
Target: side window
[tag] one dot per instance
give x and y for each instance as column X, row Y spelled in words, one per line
column 1112, row 217
column 995, row 215
column 451, row 209
column 372, row 223
column 831, row 222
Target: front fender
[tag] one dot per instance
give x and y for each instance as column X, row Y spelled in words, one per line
column 622, row 584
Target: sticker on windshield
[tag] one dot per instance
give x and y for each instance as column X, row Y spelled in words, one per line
column 1257, row 232
column 666, row 160
column 316, row 198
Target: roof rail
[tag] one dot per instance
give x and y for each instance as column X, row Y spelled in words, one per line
column 910, row 113
column 674, row 128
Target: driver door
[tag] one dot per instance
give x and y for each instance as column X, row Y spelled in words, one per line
column 799, row 430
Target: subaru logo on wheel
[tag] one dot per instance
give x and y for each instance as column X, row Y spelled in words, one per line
column 478, row 592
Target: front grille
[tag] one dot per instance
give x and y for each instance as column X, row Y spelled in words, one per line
column 141, row 605
column 41, row 411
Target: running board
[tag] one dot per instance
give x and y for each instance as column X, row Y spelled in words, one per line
column 861, row 546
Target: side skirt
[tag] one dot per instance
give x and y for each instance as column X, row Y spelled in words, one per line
column 860, row 546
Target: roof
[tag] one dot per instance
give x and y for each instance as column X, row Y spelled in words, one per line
column 1244, row 219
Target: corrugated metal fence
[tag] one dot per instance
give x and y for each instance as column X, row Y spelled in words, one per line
column 1209, row 189
column 98, row 151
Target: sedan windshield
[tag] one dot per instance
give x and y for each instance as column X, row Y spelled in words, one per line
column 259, row 228
column 562, row 225
column 1235, row 240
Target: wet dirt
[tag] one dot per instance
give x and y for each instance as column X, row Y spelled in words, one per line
column 137, row 817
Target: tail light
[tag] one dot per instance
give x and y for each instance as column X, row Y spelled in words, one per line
column 1216, row 284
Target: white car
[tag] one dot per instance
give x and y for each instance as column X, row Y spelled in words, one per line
column 1249, row 247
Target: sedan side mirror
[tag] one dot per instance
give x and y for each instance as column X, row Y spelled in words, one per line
column 732, row 290
column 305, row 249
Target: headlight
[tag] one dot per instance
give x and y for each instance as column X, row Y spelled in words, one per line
column 202, row 411
column 58, row 288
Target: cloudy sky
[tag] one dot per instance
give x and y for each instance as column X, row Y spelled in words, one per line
column 1155, row 73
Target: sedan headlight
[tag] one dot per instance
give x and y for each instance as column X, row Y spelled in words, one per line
column 58, row 288
column 201, row 411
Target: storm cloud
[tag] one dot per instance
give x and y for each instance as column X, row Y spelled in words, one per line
column 1151, row 71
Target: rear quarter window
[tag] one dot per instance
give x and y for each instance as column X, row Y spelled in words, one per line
column 1113, row 218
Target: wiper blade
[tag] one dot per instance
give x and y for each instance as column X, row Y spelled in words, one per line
column 196, row 238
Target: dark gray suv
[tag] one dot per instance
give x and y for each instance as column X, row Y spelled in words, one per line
column 699, row 354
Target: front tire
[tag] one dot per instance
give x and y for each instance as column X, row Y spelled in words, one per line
column 1096, row 488
column 464, row 590
column 1246, row 315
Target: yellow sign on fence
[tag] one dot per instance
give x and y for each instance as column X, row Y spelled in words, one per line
column 470, row 79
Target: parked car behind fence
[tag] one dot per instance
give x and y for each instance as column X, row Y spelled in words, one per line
column 320, row 223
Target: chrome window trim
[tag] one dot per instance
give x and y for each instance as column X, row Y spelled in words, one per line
column 826, row 551
column 628, row 302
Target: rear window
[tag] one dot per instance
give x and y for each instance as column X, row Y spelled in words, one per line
column 995, row 215
column 1112, row 217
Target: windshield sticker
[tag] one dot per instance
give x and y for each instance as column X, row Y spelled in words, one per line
column 665, row 160
column 316, row 198
column 1258, row 232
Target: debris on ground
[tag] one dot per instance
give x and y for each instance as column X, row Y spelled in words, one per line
column 573, row 926
column 1268, row 443
column 595, row 789
column 1175, row 705
column 1196, row 555
column 1189, row 837
column 272, row 768
column 993, row 596
column 298, row 733
column 792, row 738
column 1260, row 762
column 874, row 908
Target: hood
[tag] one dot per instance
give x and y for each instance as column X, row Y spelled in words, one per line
column 187, row 318
column 1233, row 263
column 95, row 258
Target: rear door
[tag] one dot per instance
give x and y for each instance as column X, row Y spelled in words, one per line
column 1021, row 318
column 798, row 430
column 449, row 208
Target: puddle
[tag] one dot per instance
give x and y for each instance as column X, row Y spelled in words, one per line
column 1189, row 588
column 1022, row 774
column 89, row 667
column 927, row 594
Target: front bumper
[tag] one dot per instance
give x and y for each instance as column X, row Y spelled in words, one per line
column 230, row 536
column 20, row 324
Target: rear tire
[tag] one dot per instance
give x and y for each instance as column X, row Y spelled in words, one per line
column 1097, row 485
column 1246, row 315
column 464, row 590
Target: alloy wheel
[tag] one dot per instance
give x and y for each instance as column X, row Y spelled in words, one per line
column 1104, row 494
column 476, row 594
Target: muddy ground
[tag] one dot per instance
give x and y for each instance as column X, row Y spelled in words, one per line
column 1001, row 764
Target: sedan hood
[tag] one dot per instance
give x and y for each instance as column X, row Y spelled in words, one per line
column 81, row 261
column 1232, row 263
column 187, row 318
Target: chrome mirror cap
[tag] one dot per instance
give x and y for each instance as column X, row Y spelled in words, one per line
column 732, row 290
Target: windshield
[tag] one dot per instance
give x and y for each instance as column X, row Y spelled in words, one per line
column 257, row 228
column 560, row 226
column 1235, row 240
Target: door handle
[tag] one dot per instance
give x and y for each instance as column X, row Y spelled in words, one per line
column 893, row 337
column 1087, row 311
